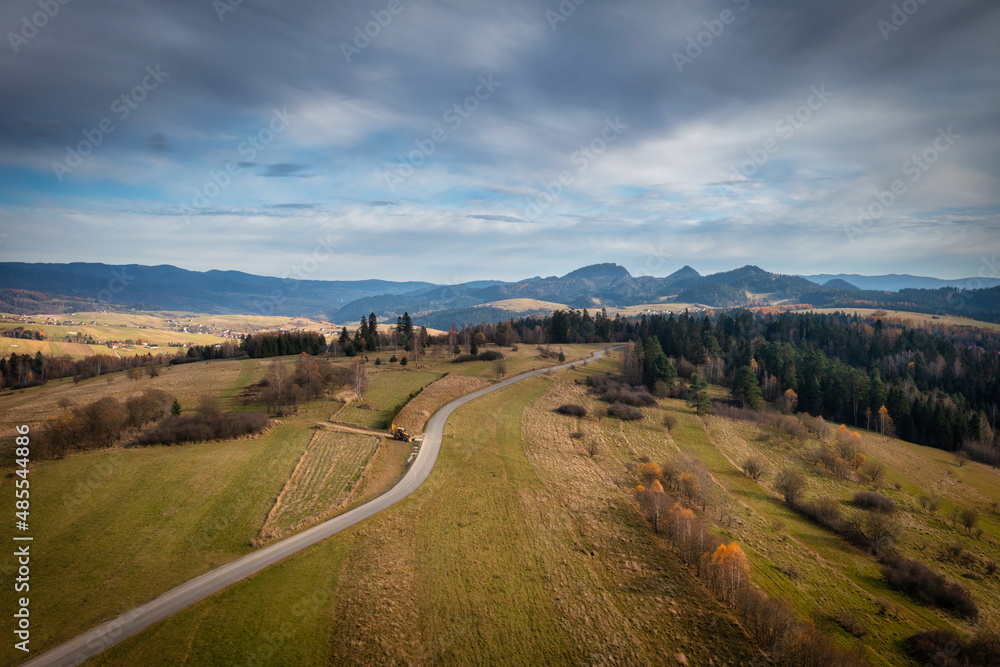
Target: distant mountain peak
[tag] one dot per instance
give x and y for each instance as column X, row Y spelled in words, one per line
column 840, row 283
column 607, row 270
column 684, row 272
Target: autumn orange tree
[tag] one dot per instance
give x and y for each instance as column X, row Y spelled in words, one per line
column 730, row 570
column 654, row 504
column 650, row 472
column 690, row 486
column 788, row 401
column 884, row 421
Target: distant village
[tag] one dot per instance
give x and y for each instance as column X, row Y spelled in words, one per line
column 172, row 325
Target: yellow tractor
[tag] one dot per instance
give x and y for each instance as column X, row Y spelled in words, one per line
column 399, row 433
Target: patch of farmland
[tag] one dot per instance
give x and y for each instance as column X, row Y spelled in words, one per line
column 415, row 414
column 321, row 482
column 187, row 382
column 389, row 391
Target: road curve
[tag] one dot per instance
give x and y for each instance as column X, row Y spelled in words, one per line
column 106, row 635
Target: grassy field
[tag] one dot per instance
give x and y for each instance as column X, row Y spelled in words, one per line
column 390, row 389
column 520, row 548
column 187, row 382
column 906, row 316
column 414, row 416
column 122, row 526
column 526, row 304
column 504, row 556
column 794, row 559
column 116, row 528
column 163, row 331
column 322, row 480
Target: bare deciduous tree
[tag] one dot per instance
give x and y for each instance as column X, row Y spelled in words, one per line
column 969, row 517
column 879, row 530
column 359, row 378
column 754, row 468
column 790, row 483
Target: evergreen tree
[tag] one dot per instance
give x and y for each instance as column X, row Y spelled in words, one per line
column 372, row 332
column 746, row 391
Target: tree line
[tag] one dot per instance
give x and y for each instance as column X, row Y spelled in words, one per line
column 921, row 385
column 25, row 370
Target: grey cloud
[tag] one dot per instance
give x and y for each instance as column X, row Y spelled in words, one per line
column 496, row 218
column 283, row 169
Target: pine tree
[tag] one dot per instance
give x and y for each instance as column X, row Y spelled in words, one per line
column 372, row 332
column 746, row 390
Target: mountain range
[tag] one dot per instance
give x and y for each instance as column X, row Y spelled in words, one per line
column 51, row 288
column 893, row 282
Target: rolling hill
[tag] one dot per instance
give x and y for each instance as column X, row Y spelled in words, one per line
column 55, row 288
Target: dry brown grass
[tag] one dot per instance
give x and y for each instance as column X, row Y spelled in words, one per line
column 594, row 541
column 187, row 382
column 321, row 482
column 414, row 416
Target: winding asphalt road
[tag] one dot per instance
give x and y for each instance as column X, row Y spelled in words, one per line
column 93, row 642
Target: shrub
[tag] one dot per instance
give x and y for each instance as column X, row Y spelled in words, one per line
column 393, row 359
column 754, row 468
column 825, row 512
column 628, row 396
column 873, row 500
column 547, row 353
column 402, row 362
column 149, row 406
column 983, row 453
column 670, row 421
column 488, row 355
column 661, row 389
column 874, row 472
column 793, row 428
column 789, row 483
column 572, row 410
column 625, row 412
column 204, row 426
column 649, row 473
column 816, row 425
column 851, row 624
column 928, row 587
column 946, row 648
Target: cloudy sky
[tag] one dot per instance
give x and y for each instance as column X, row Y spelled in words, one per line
column 453, row 141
